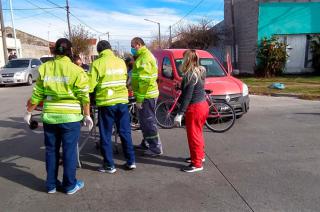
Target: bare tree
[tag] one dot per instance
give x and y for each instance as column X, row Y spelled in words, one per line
column 154, row 43
column 196, row 36
column 80, row 38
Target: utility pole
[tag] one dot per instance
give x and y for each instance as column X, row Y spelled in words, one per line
column 3, row 35
column 68, row 18
column 14, row 30
column 159, row 38
column 107, row 33
column 170, row 37
column 233, row 36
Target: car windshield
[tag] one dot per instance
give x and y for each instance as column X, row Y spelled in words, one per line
column 212, row 66
column 17, row 64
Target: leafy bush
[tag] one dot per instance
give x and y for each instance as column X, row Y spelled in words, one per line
column 315, row 48
column 271, row 57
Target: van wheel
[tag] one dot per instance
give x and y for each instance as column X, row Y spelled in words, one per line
column 29, row 82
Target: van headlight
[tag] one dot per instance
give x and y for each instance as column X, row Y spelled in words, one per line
column 245, row 90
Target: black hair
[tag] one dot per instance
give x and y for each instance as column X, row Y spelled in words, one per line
column 76, row 57
column 63, row 47
column 103, row 45
column 138, row 40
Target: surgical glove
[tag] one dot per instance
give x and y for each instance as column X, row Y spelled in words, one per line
column 139, row 105
column 27, row 117
column 87, row 121
column 178, row 119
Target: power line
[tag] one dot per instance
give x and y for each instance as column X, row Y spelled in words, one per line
column 195, row 7
column 55, row 4
column 76, row 18
column 45, row 10
column 39, row 8
column 93, row 29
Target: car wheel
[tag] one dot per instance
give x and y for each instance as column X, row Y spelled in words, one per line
column 29, row 82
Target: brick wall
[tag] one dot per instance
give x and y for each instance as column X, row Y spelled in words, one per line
column 34, row 51
column 246, row 23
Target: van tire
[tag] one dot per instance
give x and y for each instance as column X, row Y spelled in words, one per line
column 29, row 81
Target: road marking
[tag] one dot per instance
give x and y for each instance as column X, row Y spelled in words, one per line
column 10, row 159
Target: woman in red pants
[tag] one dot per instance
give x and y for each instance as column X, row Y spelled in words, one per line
column 193, row 104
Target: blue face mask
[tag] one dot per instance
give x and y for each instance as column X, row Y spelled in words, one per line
column 133, row 51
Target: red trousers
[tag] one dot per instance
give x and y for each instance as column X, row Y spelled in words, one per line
column 195, row 119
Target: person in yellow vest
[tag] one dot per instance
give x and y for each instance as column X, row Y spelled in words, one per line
column 107, row 77
column 64, row 90
column 145, row 89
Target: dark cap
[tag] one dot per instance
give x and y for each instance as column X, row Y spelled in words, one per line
column 103, row 45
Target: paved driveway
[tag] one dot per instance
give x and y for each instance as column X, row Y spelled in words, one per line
column 269, row 161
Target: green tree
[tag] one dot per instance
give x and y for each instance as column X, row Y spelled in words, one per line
column 271, row 57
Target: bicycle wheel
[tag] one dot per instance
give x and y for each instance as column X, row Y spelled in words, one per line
column 164, row 118
column 221, row 117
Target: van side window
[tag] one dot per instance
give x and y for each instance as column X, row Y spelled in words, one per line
column 167, row 68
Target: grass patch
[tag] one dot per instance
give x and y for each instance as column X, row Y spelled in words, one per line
column 304, row 87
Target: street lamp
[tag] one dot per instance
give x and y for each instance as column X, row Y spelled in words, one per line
column 159, row 38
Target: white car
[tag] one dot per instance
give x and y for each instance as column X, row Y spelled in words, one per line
column 20, row 71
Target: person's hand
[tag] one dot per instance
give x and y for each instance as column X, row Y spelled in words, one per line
column 177, row 120
column 139, row 105
column 27, row 117
column 87, row 121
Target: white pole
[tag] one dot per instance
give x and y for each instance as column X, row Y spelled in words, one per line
column 14, row 30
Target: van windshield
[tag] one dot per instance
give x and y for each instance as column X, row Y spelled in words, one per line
column 213, row 68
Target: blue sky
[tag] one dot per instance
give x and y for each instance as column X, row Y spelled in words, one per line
column 123, row 19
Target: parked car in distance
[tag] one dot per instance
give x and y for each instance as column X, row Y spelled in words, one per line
column 20, row 71
column 224, row 87
column 46, row 58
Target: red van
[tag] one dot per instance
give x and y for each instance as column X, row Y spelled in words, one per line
column 224, row 86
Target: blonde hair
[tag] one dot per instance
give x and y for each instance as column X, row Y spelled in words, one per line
column 191, row 65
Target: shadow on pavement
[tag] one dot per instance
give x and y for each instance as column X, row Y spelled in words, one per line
column 23, row 144
column 89, row 156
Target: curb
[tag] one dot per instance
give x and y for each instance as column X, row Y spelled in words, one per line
column 317, row 98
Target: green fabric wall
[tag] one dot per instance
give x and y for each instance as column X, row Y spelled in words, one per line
column 288, row 18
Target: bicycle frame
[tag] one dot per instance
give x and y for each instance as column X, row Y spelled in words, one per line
column 175, row 101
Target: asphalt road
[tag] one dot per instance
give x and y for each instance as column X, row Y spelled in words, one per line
column 269, row 161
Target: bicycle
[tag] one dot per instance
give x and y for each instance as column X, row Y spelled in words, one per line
column 220, row 119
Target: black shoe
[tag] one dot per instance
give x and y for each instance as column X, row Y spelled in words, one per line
column 150, row 153
column 188, row 160
column 191, row 168
column 142, row 146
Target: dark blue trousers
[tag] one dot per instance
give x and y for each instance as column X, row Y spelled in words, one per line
column 118, row 114
column 68, row 134
column 148, row 125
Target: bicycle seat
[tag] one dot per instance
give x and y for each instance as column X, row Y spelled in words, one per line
column 208, row 91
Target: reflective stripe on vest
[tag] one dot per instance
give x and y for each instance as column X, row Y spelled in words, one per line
column 114, row 83
column 60, row 106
